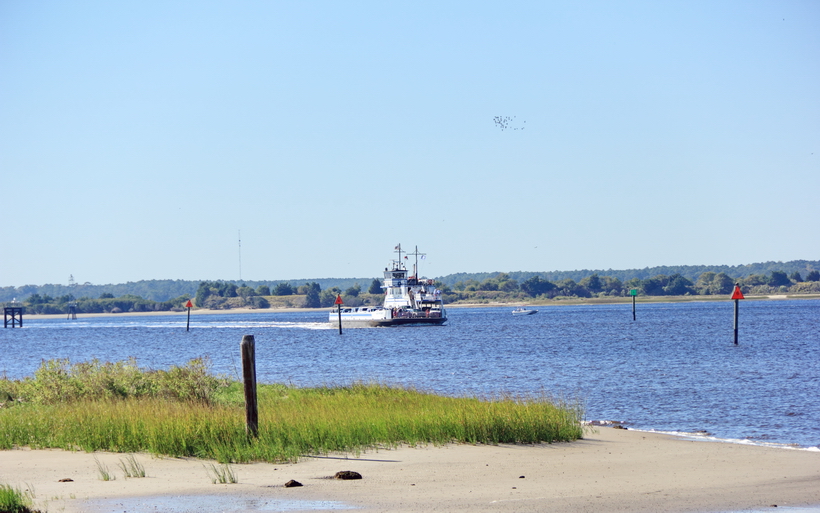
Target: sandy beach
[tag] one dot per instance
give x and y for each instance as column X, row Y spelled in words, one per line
column 610, row 470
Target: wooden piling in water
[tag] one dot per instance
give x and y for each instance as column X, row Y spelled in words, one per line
column 248, row 350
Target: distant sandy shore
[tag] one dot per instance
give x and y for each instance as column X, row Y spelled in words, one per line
column 181, row 315
column 610, row 470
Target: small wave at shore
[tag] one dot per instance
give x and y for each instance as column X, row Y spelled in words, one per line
column 701, row 436
column 698, row 437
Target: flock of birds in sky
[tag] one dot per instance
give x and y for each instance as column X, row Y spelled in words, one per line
column 506, row 123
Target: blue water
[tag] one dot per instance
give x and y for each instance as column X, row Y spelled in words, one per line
column 674, row 369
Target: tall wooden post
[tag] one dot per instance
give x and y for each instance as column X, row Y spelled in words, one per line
column 248, row 350
column 737, row 295
column 633, row 293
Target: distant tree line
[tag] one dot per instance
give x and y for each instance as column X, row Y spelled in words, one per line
column 565, row 283
column 165, row 290
column 692, row 272
column 218, row 295
column 156, row 290
column 315, row 297
column 106, row 303
column 708, row 283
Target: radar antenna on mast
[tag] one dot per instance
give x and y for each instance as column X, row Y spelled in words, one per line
column 416, row 265
column 397, row 263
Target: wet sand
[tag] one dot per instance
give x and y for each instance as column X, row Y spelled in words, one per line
column 610, row 470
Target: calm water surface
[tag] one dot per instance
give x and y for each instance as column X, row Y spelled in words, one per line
column 674, row 369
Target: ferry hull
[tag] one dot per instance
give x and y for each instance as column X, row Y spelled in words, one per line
column 384, row 323
column 410, row 322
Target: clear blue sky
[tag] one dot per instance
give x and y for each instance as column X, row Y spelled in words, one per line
column 138, row 137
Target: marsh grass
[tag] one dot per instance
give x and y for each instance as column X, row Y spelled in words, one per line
column 102, row 471
column 131, row 467
column 222, row 474
column 293, row 422
column 60, row 381
column 14, row 500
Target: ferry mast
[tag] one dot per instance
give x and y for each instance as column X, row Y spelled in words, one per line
column 416, row 265
column 397, row 249
column 415, row 253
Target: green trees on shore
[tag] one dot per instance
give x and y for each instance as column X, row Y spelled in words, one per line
column 793, row 277
column 220, row 295
column 106, row 303
column 312, row 299
column 708, row 283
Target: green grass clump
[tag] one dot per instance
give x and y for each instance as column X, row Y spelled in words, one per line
column 131, row 467
column 293, row 422
column 13, row 500
column 59, row 381
column 222, row 474
column 103, row 472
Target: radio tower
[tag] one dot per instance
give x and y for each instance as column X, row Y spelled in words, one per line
column 239, row 238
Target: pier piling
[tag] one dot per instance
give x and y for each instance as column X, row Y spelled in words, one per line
column 248, row 349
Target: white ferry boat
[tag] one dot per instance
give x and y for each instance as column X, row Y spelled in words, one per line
column 408, row 300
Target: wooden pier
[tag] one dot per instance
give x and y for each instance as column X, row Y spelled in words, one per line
column 13, row 316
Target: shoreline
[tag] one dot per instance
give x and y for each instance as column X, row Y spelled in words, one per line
column 194, row 312
column 553, row 303
column 608, row 470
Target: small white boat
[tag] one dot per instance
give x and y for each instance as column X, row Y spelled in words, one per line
column 524, row 311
